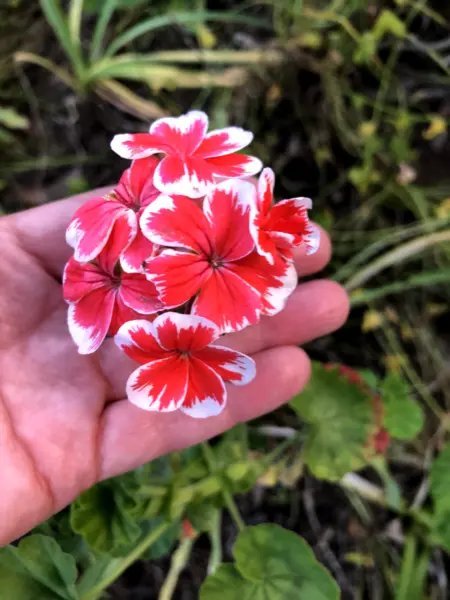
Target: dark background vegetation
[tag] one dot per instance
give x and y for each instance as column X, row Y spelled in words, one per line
column 349, row 102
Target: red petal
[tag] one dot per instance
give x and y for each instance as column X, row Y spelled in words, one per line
column 171, row 176
column 201, row 176
column 266, row 184
column 224, row 141
column 229, row 208
column 182, row 134
column 185, row 333
column 136, row 187
column 177, row 276
column 139, row 294
column 228, row 301
column 159, row 385
column 138, row 252
column 289, row 217
column 120, row 237
column 275, row 282
column 137, row 145
column 177, row 222
column 137, row 339
column 205, row 393
column 230, row 365
column 235, row 165
column 89, row 319
column 91, row 226
column 80, row 279
column 121, row 314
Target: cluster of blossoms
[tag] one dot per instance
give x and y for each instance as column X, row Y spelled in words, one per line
column 185, row 248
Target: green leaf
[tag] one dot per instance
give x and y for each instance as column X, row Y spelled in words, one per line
column 179, row 18
column 271, row 563
column 57, row 20
column 10, row 118
column 403, row 416
column 440, row 480
column 340, row 418
column 37, row 570
column 103, row 516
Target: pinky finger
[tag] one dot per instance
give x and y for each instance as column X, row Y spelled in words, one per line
column 132, row 437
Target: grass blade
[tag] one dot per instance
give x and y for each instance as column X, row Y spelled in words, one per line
column 179, row 18
column 57, row 21
column 397, row 255
column 441, row 276
column 74, row 21
column 103, row 20
column 124, row 99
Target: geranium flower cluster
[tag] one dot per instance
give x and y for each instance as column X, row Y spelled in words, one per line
column 184, row 249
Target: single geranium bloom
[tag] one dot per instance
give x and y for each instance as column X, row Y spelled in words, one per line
column 113, row 219
column 101, row 300
column 194, row 159
column 279, row 228
column 208, row 265
column 180, row 368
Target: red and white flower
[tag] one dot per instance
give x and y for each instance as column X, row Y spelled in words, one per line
column 100, row 300
column 194, row 159
column 180, row 368
column 278, row 228
column 113, row 219
column 210, row 263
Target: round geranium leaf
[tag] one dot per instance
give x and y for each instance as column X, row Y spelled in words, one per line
column 271, row 562
column 340, row 418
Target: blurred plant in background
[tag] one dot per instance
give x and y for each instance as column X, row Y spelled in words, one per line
column 349, row 100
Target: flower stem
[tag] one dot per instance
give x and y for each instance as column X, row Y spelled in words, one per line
column 227, row 497
column 179, row 560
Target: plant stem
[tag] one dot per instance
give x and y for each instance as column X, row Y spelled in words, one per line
column 128, row 560
column 215, row 558
column 179, row 560
column 227, row 497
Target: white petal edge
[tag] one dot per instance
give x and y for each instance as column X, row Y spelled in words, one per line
column 246, row 366
column 119, row 146
column 182, row 322
column 83, row 336
column 239, row 138
column 312, row 240
column 278, row 296
column 123, row 336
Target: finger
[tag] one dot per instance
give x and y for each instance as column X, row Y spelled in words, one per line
column 132, row 437
column 310, row 264
column 315, row 309
column 41, row 231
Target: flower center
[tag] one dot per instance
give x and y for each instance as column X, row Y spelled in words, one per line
column 215, row 262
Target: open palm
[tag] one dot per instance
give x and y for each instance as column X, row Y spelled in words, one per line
column 64, row 421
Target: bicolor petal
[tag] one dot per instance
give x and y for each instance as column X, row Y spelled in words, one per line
column 232, row 366
column 228, row 301
column 224, row 141
column 137, row 145
column 186, row 333
column 205, row 393
column 229, row 208
column 178, row 276
column 176, row 222
column 139, row 293
column 89, row 319
column 91, row 226
column 159, row 385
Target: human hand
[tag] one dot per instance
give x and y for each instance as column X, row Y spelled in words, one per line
column 64, row 421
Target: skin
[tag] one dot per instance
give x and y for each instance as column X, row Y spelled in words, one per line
column 64, row 421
